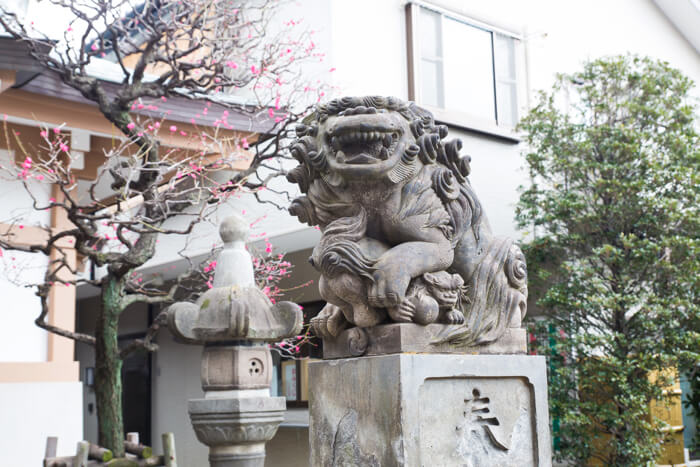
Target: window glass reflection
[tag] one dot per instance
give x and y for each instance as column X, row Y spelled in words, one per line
column 468, row 70
column 431, row 83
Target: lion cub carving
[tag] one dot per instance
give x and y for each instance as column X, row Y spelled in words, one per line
column 404, row 236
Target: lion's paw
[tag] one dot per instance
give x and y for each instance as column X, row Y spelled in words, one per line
column 454, row 316
column 403, row 313
column 388, row 289
column 329, row 323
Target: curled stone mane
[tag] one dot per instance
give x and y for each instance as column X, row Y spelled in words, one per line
column 338, row 251
column 345, row 104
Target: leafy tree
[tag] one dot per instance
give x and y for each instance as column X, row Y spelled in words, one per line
column 612, row 206
column 691, row 400
column 239, row 55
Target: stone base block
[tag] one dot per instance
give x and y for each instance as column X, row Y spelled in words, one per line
column 409, row 337
column 430, row 410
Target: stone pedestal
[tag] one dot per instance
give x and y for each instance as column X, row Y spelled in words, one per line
column 237, row 428
column 430, row 410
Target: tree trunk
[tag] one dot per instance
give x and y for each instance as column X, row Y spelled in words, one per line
column 108, row 366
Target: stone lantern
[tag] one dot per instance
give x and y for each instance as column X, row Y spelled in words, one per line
column 235, row 321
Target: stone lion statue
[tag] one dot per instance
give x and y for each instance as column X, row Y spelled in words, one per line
column 404, row 236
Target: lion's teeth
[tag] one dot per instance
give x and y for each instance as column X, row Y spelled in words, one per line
column 340, row 156
column 384, row 154
column 387, row 140
column 362, row 136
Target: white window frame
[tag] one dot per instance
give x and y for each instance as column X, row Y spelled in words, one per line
column 450, row 116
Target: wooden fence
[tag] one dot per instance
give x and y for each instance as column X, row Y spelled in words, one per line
column 91, row 455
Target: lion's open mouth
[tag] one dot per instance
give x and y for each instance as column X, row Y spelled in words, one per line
column 364, row 143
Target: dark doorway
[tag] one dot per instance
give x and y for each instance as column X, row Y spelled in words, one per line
column 136, row 383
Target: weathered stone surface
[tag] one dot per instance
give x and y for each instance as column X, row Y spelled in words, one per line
column 430, row 410
column 405, row 238
column 245, row 420
column 235, row 263
column 414, row 338
column 233, row 320
column 236, row 429
column 223, row 314
column 226, row 367
column 234, row 309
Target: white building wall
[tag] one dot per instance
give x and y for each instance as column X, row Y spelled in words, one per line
column 368, row 37
column 20, row 339
column 30, row 412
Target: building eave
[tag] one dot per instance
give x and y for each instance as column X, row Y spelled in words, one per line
column 35, row 79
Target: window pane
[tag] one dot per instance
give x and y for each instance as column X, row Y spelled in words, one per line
column 431, row 83
column 507, row 104
column 468, row 70
column 430, row 40
column 504, row 49
column 506, row 96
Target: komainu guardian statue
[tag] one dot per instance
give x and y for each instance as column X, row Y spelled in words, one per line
column 404, row 237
